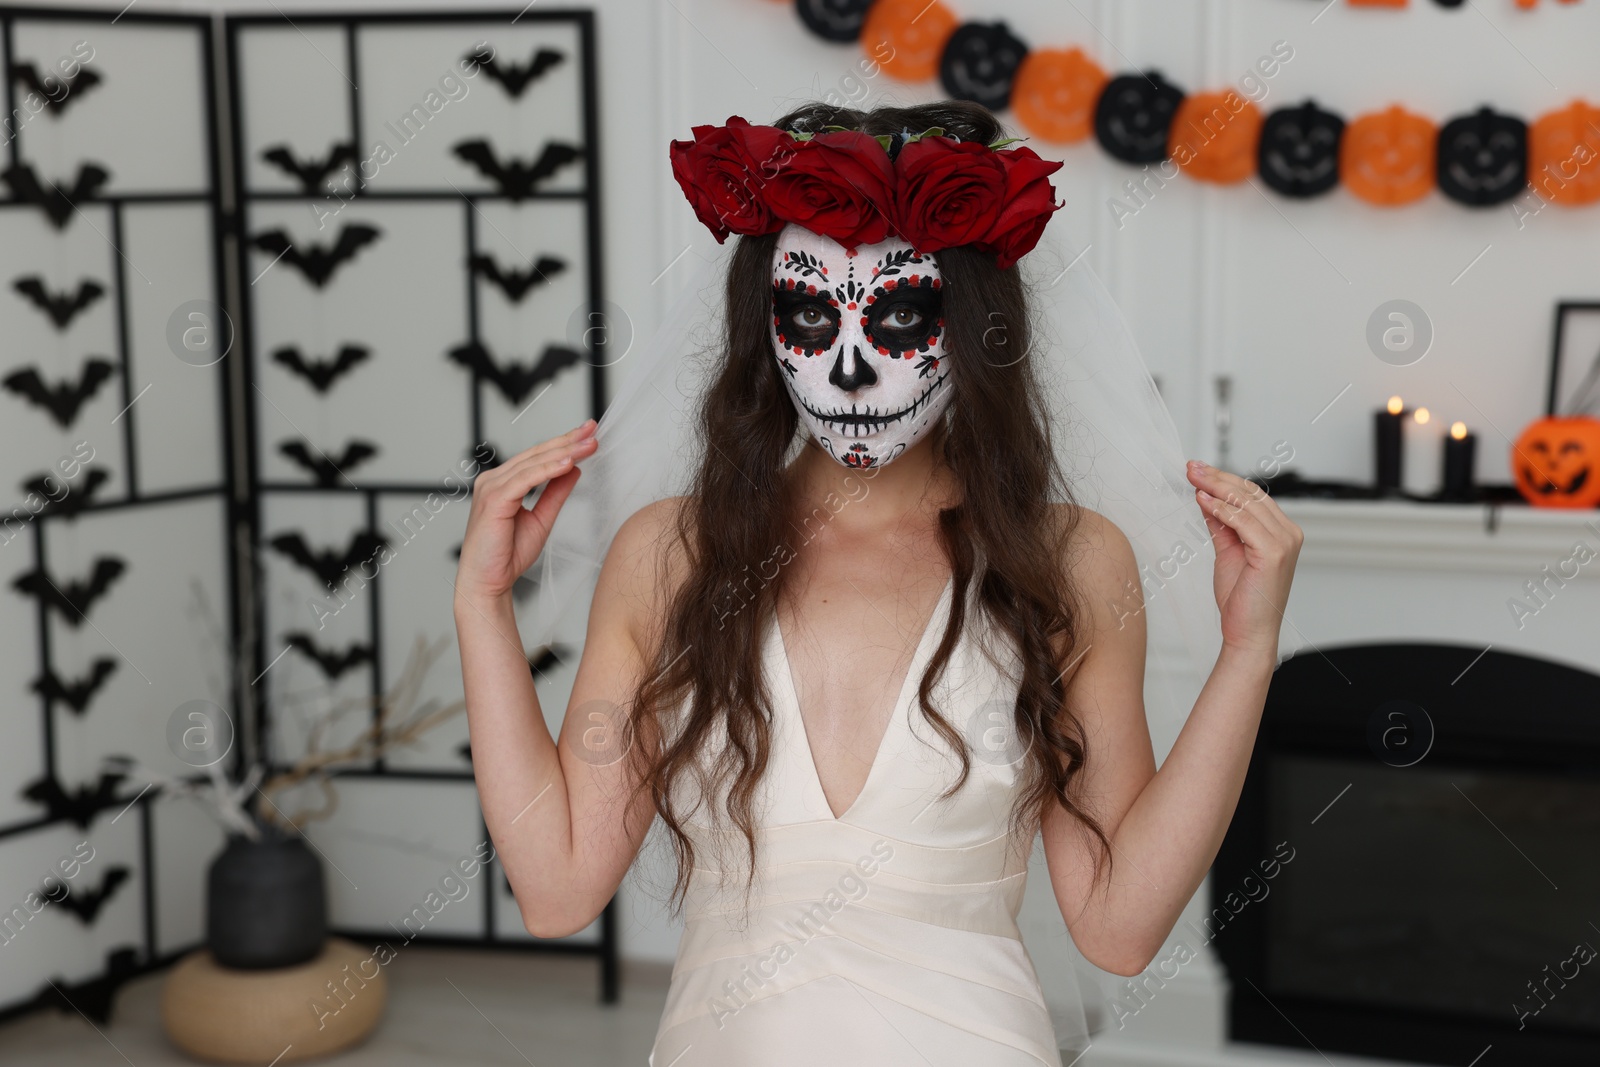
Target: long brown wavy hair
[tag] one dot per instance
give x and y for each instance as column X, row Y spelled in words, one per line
column 742, row 502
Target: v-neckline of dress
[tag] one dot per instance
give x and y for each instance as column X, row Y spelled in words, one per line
column 913, row 672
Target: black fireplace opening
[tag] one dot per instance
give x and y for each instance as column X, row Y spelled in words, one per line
column 1439, row 808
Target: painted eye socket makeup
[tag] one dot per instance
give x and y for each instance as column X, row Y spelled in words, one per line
column 806, row 320
column 905, row 319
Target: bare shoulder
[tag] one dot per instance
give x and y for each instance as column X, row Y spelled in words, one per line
column 1099, row 556
column 644, row 566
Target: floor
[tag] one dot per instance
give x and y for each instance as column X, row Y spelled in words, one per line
column 460, row 1007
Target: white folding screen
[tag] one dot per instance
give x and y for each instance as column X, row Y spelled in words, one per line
column 400, row 215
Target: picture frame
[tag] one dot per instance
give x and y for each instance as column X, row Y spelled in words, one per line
column 1574, row 384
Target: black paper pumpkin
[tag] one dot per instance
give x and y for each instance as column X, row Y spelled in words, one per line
column 1299, row 150
column 980, row 62
column 1483, row 158
column 1134, row 116
column 833, row 20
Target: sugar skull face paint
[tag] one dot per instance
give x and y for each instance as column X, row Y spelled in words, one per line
column 858, row 338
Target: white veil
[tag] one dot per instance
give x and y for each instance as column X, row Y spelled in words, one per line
column 1113, row 437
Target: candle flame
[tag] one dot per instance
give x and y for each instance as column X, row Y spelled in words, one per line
column 1458, row 430
column 1396, row 405
column 1421, row 415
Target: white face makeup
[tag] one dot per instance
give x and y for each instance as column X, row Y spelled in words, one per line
column 858, row 339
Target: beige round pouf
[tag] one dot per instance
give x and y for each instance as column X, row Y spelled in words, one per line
column 283, row 1015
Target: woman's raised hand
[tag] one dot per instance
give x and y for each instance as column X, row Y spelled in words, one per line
column 1257, row 546
column 504, row 538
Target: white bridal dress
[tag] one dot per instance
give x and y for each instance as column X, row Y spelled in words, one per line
column 886, row 936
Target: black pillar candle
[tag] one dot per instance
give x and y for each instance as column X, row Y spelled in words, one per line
column 1460, row 450
column 1387, row 442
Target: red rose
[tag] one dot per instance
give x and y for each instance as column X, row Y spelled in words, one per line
column 950, row 192
column 723, row 172
column 1028, row 203
column 838, row 184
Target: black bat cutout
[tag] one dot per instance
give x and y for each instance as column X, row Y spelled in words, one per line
column 92, row 998
column 86, row 903
column 321, row 466
column 61, row 307
column 515, row 381
column 313, row 173
column 77, row 692
column 63, row 401
column 82, row 804
column 515, row 178
column 72, row 600
column 329, row 565
column 75, row 500
column 317, row 263
column 321, row 373
column 56, row 203
column 516, row 283
column 28, row 75
column 514, row 78
column 331, row 663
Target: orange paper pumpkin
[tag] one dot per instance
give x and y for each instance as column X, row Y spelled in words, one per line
column 1215, row 136
column 907, row 37
column 1387, row 157
column 1564, row 155
column 1556, row 462
column 1055, row 93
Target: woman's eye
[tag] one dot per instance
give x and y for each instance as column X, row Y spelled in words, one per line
column 811, row 317
column 904, row 318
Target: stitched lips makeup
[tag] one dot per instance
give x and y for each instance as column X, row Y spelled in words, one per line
column 858, row 337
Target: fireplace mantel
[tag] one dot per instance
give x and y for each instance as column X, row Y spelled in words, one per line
column 1510, row 539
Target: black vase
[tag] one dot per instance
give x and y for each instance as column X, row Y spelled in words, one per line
column 265, row 903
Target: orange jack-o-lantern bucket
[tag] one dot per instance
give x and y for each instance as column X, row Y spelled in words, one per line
column 1556, row 462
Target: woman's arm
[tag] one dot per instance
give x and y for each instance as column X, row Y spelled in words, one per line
column 562, row 816
column 1165, row 826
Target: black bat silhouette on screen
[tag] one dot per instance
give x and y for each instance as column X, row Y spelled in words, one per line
column 82, row 82
column 321, row 373
column 61, row 401
column 57, row 203
column 516, row 283
column 313, row 173
column 513, row 77
column 323, row 467
column 328, row 565
column 62, row 307
column 316, row 262
column 75, row 693
column 515, row 178
column 515, row 380
column 79, row 806
column 72, row 599
column 86, row 903
column 48, row 484
column 331, row 662
column 92, row 998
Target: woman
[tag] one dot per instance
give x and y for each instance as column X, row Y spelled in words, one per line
column 801, row 664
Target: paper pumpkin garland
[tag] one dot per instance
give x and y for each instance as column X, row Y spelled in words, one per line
column 1055, row 93
column 980, row 63
column 1215, row 136
column 1564, row 155
column 1387, row 158
column 1133, row 117
column 1483, row 158
column 1298, row 154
